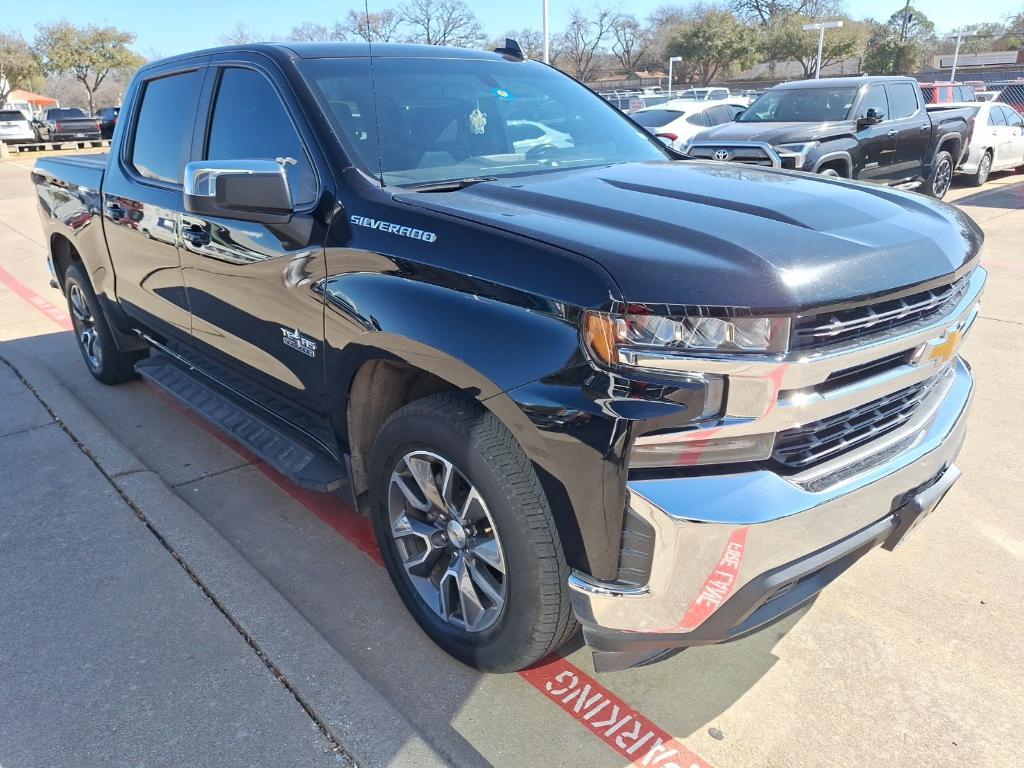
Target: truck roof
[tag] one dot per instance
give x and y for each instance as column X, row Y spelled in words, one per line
column 852, row 81
column 295, row 50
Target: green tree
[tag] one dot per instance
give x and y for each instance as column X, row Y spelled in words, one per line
column 18, row 65
column 715, row 44
column 900, row 44
column 786, row 40
column 89, row 53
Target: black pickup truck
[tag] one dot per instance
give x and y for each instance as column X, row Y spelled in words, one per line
column 868, row 128
column 587, row 382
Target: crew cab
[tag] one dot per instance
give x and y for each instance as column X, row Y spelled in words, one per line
column 867, row 128
column 584, row 383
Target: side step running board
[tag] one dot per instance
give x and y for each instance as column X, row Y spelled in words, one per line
column 304, row 465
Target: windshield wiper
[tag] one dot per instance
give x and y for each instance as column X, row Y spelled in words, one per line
column 450, row 185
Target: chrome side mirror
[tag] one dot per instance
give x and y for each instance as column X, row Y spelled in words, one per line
column 247, row 190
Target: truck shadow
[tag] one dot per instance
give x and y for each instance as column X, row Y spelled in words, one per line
column 298, row 546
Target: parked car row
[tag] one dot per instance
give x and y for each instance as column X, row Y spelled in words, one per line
column 56, row 125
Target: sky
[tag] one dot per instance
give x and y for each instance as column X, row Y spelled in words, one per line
column 174, row 26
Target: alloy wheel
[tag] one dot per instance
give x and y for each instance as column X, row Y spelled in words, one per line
column 85, row 327
column 447, row 541
column 943, row 177
column 984, row 168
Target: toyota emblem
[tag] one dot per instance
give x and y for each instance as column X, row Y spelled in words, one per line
column 721, row 154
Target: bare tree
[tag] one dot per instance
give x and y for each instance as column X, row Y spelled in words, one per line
column 583, row 39
column 240, row 34
column 630, row 41
column 380, row 27
column 442, row 22
column 311, row 32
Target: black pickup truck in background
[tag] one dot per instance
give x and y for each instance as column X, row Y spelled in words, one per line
column 867, row 128
column 588, row 382
column 66, row 125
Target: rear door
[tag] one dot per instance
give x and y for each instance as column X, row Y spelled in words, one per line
column 913, row 131
column 257, row 315
column 877, row 142
column 142, row 197
column 999, row 136
column 1015, row 123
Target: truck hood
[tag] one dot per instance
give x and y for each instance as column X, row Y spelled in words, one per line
column 724, row 234
column 776, row 133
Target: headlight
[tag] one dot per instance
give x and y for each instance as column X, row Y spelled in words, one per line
column 797, row 151
column 609, row 335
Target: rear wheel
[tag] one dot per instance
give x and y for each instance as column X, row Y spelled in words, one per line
column 940, row 177
column 95, row 341
column 830, row 173
column 467, row 534
column 984, row 169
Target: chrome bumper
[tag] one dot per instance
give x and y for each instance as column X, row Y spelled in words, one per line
column 727, row 546
column 700, row 569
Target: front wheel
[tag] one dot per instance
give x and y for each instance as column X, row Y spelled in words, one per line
column 467, row 534
column 941, row 176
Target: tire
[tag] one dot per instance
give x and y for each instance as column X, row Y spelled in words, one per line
column 104, row 360
column 940, row 176
column 830, row 173
column 984, row 169
column 534, row 617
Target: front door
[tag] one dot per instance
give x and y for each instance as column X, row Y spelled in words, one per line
column 142, row 197
column 877, row 142
column 257, row 315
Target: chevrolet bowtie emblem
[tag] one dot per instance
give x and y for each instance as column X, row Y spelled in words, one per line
column 942, row 349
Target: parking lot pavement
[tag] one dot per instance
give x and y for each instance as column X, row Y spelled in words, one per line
column 111, row 653
column 910, row 658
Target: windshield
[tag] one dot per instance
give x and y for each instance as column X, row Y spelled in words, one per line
column 448, row 119
column 801, row 105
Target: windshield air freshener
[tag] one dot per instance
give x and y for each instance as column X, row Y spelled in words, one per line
column 477, row 120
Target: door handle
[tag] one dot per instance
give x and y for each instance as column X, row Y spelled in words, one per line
column 893, row 132
column 924, row 128
column 115, row 211
column 195, row 236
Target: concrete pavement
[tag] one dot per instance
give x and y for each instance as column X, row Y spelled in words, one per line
column 910, row 659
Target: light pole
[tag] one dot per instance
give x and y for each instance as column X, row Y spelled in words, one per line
column 956, row 56
column 672, row 60
column 820, row 28
column 547, row 37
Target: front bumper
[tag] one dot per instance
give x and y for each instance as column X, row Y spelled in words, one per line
column 735, row 551
column 714, row 582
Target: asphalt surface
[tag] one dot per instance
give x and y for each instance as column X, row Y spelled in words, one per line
column 161, row 588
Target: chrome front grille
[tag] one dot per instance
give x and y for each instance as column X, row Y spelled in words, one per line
column 810, row 444
column 750, row 155
column 856, row 322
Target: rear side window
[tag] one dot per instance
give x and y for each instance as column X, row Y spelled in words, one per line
column 995, row 117
column 874, row 99
column 719, row 115
column 163, row 131
column 698, row 118
column 1012, row 118
column 250, row 123
column 902, row 100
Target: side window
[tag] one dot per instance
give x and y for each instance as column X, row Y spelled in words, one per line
column 719, row 115
column 163, row 130
column 902, row 100
column 698, row 118
column 250, row 123
column 1013, row 119
column 874, row 99
column 995, row 117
